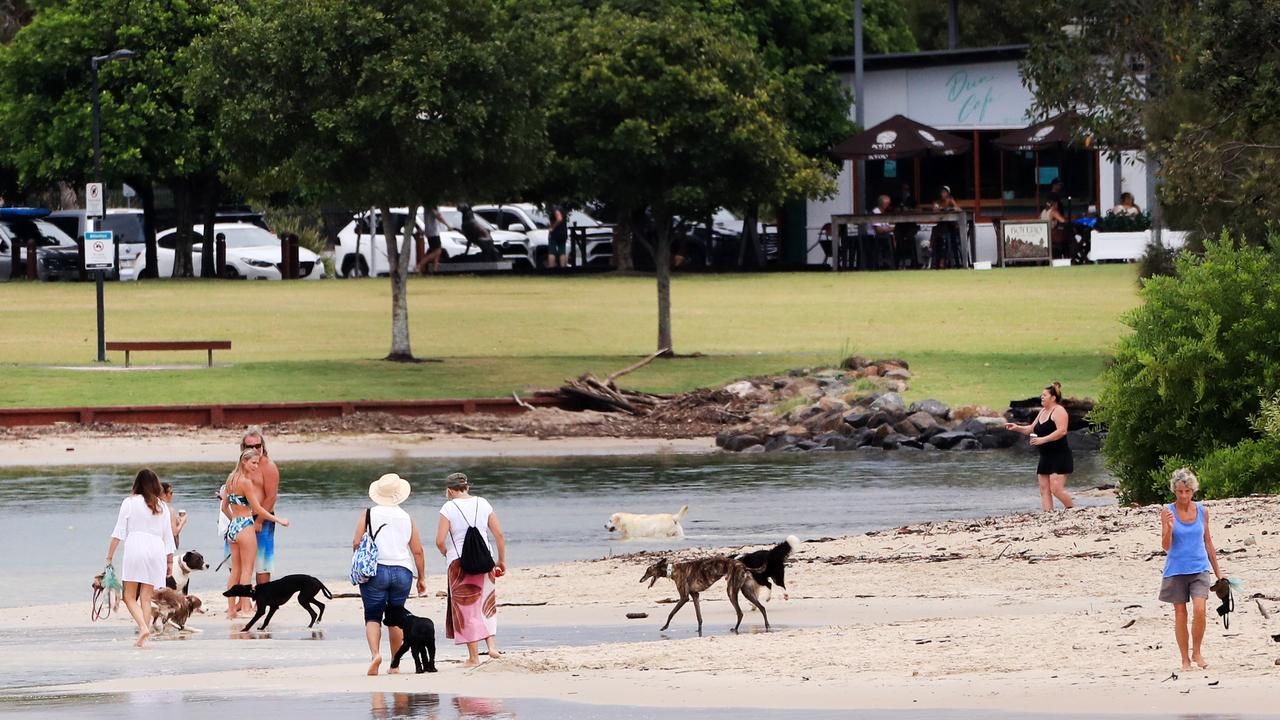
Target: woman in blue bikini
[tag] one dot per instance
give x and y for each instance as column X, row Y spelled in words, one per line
column 240, row 502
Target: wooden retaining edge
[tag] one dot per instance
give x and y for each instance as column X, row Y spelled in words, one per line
column 258, row 413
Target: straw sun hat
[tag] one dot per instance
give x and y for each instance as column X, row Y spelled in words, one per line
column 390, row 489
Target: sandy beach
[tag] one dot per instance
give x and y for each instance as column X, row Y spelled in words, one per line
column 1034, row 613
column 77, row 446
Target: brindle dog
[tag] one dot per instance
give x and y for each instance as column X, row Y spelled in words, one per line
column 692, row 577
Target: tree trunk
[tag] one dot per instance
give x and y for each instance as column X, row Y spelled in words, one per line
column 751, row 239
column 398, row 257
column 212, row 191
column 148, row 193
column 662, row 268
column 182, row 266
column 623, row 240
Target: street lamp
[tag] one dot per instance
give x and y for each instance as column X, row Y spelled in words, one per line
column 94, row 63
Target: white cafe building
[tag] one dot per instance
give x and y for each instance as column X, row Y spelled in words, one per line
column 978, row 95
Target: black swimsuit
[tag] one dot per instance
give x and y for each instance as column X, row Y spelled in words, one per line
column 1055, row 456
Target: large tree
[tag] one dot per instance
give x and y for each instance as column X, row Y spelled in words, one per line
column 149, row 132
column 1194, row 85
column 673, row 113
column 378, row 104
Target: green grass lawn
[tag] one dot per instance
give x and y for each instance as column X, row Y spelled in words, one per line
column 969, row 336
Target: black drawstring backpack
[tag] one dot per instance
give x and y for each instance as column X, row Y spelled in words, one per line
column 475, row 557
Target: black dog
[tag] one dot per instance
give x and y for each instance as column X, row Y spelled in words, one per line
column 771, row 565
column 419, row 636
column 277, row 592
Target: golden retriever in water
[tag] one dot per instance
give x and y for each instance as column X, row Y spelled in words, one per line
column 658, row 525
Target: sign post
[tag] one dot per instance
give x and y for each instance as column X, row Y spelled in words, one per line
column 93, row 200
column 100, row 257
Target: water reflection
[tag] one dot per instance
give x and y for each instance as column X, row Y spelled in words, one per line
column 404, row 705
column 552, row 509
column 474, row 707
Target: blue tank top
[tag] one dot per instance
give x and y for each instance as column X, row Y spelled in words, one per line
column 1187, row 554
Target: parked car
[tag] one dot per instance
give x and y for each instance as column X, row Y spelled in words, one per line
column 514, row 245
column 127, row 231
column 529, row 219
column 361, row 249
column 252, row 253
column 56, row 253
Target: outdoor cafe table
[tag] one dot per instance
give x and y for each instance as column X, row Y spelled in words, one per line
column 840, row 223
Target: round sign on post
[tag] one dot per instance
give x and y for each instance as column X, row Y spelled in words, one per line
column 93, row 205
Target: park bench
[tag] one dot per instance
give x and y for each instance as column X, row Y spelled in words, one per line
column 164, row 345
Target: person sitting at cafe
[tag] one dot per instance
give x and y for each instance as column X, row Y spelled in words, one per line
column 1127, row 206
column 1052, row 214
column 906, row 199
column 945, row 241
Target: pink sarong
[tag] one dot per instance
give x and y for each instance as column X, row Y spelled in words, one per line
column 471, row 613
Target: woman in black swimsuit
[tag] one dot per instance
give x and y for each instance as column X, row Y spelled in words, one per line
column 1049, row 436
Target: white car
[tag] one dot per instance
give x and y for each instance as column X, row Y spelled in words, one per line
column 252, row 253
column 529, row 219
column 360, row 252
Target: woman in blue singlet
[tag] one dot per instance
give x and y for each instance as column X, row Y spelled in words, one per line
column 1184, row 534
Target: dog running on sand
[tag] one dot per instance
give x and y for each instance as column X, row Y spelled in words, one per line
column 657, row 525
column 692, row 577
column 769, row 567
column 269, row 596
column 170, row 607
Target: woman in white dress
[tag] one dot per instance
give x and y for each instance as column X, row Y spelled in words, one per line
column 146, row 529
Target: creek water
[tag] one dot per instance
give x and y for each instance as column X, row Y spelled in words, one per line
column 58, row 520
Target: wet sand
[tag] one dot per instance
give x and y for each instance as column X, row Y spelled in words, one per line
column 178, row 445
column 1024, row 614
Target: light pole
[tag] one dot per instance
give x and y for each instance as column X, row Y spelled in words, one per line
column 94, row 62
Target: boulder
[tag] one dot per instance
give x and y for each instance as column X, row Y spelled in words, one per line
column 968, row 444
column 871, row 448
column 928, row 433
column 911, row 444
column 831, row 404
column 973, row 427
column 754, row 449
column 807, row 445
column 842, row 444
column 825, row 422
column 950, row 439
column 936, row 408
column 853, row 362
column 1084, row 441
column 738, row 443
column 999, row 438
column 897, row 374
column 798, row 431
column 964, row 412
column 779, row 383
column 777, row 430
column 921, row 420
column 740, row 389
column 890, row 402
column 893, row 440
column 857, row 419
column 878, row 419
column 905, row 427
column 991, row 421
column 780, row 442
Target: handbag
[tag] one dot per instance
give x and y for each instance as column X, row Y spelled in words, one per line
column 475, row 558
column 364, row 561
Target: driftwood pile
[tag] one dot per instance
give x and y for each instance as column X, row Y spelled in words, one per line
column 605, row 395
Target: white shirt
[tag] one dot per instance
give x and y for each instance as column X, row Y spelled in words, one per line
column 881, row 228
column 431, row 225
column 393, row 538
column 136, row 518
column 462, row 514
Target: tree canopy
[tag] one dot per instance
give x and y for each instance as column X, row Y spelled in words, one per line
column 377, row 104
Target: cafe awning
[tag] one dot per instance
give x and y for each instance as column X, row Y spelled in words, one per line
column 1055, row 132
column 896, row 138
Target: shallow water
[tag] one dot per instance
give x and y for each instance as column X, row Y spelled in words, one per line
column 431, row 706
column 58, row 521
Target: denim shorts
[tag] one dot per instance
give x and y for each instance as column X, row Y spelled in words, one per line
column 389, row 587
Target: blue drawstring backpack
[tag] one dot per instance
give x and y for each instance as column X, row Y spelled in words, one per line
column 364, row 561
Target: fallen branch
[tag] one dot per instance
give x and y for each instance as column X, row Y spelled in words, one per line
column 632, row 368
column 520, row 402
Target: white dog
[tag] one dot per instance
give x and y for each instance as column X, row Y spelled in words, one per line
column 658, row 525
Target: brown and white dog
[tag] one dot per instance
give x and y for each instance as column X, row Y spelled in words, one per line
column 658, row 525
column 692, row 577
column 170, row 607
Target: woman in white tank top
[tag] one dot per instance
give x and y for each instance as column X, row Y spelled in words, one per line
column 471, row 612
column 399, row 556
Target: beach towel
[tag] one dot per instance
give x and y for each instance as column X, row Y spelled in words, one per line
column 471, row 612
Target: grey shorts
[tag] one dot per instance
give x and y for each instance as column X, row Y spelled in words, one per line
column 1179, row 589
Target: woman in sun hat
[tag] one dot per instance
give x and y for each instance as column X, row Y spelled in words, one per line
column 399, row 556
column 472, row 608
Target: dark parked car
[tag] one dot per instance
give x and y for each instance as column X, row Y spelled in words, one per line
column 56, row 256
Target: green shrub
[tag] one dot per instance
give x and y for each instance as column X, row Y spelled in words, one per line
column 1204, row 351
column 1246, row 468
column 1157, row 260
column 1118, row 222
column 788, row 405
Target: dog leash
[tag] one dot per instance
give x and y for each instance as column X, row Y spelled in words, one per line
column 224, row 562
column 100, row 606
